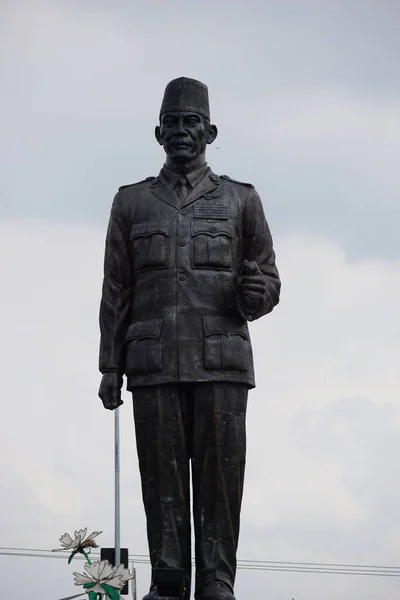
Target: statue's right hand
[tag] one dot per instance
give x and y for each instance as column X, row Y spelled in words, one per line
column 110, row 390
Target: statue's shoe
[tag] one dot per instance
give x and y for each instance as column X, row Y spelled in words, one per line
column 152, row 595
column 215, row 590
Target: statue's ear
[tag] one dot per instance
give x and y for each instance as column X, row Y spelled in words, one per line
column 157, row 133
column 212, row 133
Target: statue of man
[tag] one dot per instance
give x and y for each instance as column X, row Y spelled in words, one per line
column 189, row 260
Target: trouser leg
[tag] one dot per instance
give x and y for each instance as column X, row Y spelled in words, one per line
column 218, row 464
column 163, row 450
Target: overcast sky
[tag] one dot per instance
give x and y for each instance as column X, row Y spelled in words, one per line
column 306, row 96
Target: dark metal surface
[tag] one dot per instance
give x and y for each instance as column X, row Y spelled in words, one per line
column 189, row 260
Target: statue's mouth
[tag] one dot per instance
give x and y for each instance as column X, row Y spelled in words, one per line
column 180, row 145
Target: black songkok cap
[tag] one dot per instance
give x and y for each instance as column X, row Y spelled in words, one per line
column 184, row 94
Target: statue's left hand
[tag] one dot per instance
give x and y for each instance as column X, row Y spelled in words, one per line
column 252, row 286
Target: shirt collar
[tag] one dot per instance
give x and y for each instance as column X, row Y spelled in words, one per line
column 193, row 178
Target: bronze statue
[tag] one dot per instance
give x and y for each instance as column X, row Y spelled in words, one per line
column 189, row 260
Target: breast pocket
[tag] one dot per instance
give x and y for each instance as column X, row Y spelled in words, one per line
column 212, row 245
column 143, row 348
column 226, row 344
column 150, row 246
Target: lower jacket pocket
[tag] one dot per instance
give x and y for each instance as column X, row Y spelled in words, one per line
column 226, row 344
column 144, row 348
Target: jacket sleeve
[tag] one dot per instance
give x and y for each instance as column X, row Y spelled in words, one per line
column 258, row 247
column 117, row 291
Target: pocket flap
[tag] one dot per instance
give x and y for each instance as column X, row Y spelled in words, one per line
column 214, row 228
column 145, row 229
column 214, row 194
column 144, row 329
column 224, row 326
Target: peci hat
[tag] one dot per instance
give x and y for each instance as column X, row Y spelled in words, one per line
column 184, row 94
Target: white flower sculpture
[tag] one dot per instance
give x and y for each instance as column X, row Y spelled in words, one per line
column 101, row 579
column 69, row 543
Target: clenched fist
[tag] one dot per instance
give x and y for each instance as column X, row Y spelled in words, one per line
column 110, row 390
column 252, row 287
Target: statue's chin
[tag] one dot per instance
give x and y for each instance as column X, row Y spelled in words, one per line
column 182, row 159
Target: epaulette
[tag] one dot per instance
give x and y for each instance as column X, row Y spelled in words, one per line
column 137, row 183
column 250, row 185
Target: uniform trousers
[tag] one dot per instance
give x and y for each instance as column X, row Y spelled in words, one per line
column 201, row 428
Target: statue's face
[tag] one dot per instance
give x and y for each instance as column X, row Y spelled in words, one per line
column 184, row 136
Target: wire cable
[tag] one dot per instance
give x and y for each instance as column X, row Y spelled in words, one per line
column 245, row 564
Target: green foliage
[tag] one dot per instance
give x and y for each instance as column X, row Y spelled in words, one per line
column 72, row 556
column 111, row 592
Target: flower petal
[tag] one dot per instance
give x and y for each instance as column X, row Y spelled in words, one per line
column 82, row 578
column 93, row 535
column 97, row 588
column 66, row 540
column 125, row 574
column 115, row 582
column 80, row 533
column 107, row 571
column 119, row 570
column 95, row 569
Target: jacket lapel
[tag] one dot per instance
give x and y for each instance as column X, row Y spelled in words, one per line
column 161, row 189
column 208, row 184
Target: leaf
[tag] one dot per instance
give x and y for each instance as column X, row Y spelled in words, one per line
column 111, row 592
column 93, row 595
column 72, row 556
column 89, row 585
column 71, row 597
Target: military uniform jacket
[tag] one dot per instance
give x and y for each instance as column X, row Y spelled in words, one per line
column 171, row 309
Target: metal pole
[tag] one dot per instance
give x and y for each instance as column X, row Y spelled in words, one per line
column 117, row 490
column 133, row 582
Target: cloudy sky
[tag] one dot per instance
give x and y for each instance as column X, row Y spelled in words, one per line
column 306, row 95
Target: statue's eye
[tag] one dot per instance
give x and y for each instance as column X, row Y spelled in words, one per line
column 192, row 122
column 168, row 120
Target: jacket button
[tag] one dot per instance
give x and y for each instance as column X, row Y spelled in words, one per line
column 183, row 310
column 182, row 277
column 183, row 211
column 207, row 197
column 182, row 242
column 213, row 228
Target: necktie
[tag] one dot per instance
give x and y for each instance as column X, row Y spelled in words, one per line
column 182, row 188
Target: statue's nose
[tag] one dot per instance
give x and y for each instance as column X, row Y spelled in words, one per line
column 180, row 128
